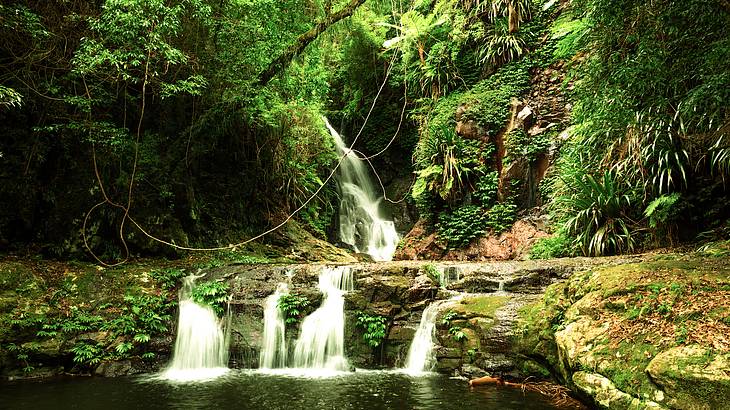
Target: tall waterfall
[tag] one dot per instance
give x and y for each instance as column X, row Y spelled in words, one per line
column 361, row 223
column 273, row 345
column 201, row 347
column 421, row 357
column 321, row 343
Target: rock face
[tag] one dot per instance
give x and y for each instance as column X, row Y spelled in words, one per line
column 615, row 334
column 399, row 291
column 512, row 244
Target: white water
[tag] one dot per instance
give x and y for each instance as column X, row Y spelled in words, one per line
column 421, row 356
column 201, row 347
column 361, row 223
column 321, row 343
column 273, row 346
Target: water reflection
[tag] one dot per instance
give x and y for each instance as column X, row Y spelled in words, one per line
column 369, row 390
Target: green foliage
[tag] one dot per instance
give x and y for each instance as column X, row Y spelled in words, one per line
column 501, row 217
column 650, row 103
column 448, row 317
column 486, row 189
column 457, row 334
column 292, row 306
column 432, row 272
column 141, row 316
column 464, row 224
column 87, row 353
column 213, row 294
column 525, row 146
column 662, row 214
column 168, row 277
column 570, row 34
column 600, row 225
column 9, row 97
column 374, row 327
column 22, row 354
column 556, row 246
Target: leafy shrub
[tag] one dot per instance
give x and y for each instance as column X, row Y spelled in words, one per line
column 661, row 212
column 459, row 227
column 556, row 246
column 525, row 146
column 292, row 306
column 486, row 189
column 87, row 353
column 501, row 217
column 600, row 225
column 167, row 278
column 213, row 294
column 374, row 327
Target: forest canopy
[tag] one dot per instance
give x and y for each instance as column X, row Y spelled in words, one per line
column 203, row 119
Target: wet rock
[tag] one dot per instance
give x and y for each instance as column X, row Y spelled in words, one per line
column 447, row 365
column 448, row 353
column 115, row 369
column 401, row 333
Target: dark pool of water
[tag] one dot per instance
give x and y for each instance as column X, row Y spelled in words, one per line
column 251, row 390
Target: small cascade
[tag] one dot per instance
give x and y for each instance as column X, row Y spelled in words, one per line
column 201, row 347
column 273, row 346
column 447, row 274
column 361, row 223
column 421, row 357
column 321, row 343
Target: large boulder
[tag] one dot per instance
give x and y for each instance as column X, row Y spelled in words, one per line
column 693, row 377
column 605, row 394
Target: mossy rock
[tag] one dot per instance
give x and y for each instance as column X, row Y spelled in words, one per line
column 14, row 275
column 693, row 377
column 480, row 306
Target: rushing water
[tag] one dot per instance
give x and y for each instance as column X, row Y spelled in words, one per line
column 201, row 347
column 251, row 390
column 321, row 343
column 421, row 357
column 273, row 343
column 362, row 225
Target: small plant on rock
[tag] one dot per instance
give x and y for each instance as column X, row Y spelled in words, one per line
column 213, row 294
column 292, row 306
column 374, row 326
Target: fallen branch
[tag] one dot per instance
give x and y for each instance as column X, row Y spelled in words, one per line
column 559, row 395
column 303, row 41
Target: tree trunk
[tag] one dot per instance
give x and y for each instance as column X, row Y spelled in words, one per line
column 279, row 63
column 514, row 17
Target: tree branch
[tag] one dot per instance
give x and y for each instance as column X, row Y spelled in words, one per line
column 303, row 41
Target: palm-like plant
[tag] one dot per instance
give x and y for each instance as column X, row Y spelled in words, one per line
column 600, row 225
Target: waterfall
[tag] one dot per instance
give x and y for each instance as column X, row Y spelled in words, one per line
column 361, row 224
column 420, row 354
column 201, row 347
column 273, row 346
column 421, row 357
column 321, row 343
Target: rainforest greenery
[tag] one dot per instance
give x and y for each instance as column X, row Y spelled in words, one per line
column 201, row 121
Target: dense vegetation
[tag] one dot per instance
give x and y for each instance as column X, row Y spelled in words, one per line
column 201, row 120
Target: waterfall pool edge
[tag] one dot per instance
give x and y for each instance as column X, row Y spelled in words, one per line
column 251, row 389
column 191, row 375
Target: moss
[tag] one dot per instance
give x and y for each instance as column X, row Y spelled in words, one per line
column 14, row 275
column 485, row 306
